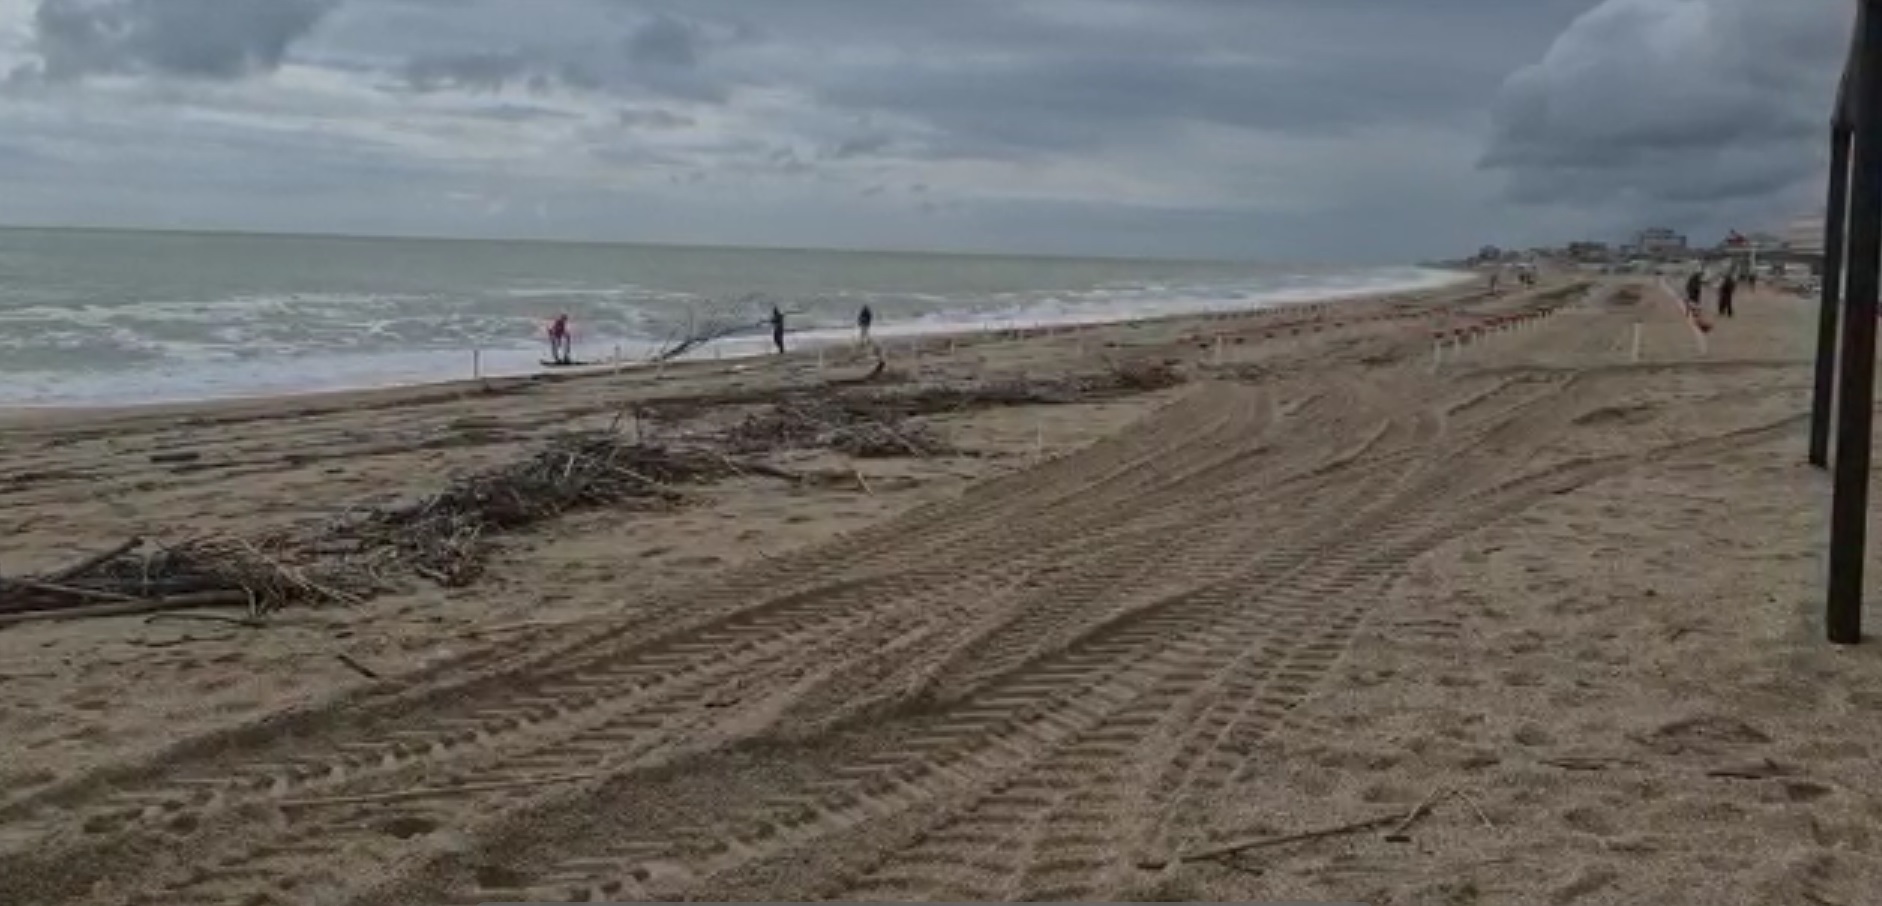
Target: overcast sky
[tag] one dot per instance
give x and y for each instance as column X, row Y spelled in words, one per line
column 1274, row 129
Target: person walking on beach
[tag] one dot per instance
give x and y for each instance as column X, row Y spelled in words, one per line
column 561, row 348
column 1727, row 287
column 777, row 329
column 863, row 319
column 1694, row 284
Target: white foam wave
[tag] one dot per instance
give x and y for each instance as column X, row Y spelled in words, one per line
column 304, row 342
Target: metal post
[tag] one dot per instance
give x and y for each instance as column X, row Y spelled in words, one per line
column 1849, row 508
column 1831, row 293
column 1835, row 219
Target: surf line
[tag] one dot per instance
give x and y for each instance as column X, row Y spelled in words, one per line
column 1692, row 320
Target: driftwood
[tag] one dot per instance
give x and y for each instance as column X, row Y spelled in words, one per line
column 444, row 536
column 1241, row 846
column 854, row 427
column 200, row 572
column 1401, row 822
column 747, row 315
column 129, row 608
column 93, row 562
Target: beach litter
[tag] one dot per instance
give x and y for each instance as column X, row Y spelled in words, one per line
column 446, row 536
column 213, row 571
column 442, row 536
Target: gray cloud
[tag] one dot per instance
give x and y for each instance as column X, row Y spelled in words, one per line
column 1657, row 109
column 662, row 55
column 654, row 118
column 488, row 71
column 201, row 39
column 667, row 41
column 519, row 113
column 1297, row 128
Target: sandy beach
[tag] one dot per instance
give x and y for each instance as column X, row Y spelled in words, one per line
column 1534, row 622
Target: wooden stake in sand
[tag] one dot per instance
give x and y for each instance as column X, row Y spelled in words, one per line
column 617, row 358
column 1634, row 355
column 1437, row 355
column 477, row 364
column 1218, row 350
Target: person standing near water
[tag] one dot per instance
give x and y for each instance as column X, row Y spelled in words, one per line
column 863, row 319
column 561, row 348
column 1727, row 287
column 1694, row 284
column 777, row 328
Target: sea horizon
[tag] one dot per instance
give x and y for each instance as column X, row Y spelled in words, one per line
column 115, row 316
column 660, row 244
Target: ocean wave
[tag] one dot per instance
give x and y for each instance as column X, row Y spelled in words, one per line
column 270, row 343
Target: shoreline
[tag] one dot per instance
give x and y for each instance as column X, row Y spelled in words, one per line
column 13, row 416
column 1337, row 576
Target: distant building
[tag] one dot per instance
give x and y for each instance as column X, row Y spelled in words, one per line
column 1660, row 241
column 1588, row 251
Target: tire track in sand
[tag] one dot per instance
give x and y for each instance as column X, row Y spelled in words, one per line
column 642, row 737
column 594, row 703
column 1176, row 643
column 569, row 712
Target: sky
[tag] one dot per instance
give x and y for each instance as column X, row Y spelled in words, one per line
column 1297, row 130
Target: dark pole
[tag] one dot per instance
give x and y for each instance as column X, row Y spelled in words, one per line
column 1835, row 216
column 1849, row 509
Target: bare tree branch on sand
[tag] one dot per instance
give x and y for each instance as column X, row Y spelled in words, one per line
column 716, row 320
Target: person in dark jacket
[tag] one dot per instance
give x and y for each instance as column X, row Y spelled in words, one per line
column 777, row 329
column 864, row 318
column 1694, row 285
column 1727, row 287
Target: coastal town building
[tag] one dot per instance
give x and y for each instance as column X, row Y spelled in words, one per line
column 1660, row 242
column 1587, row 251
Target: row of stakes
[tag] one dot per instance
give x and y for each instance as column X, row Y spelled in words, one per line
column 1316, row 322
column 1461, row 337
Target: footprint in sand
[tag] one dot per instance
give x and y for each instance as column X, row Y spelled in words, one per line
column 1587, row 880
column 1589, row 821
column 1532, row 735
column 1703, row 735
column 1521, row 679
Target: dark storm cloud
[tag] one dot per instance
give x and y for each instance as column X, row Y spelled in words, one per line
column 1095, row 125
column 661, row 55
column 1081, row 102
column 667, row 42
column 202, row 39
column 1659, row 105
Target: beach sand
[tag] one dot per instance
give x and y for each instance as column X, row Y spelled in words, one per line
column 1569, row 599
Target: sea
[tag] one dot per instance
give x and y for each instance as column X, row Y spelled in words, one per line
column 111, row 318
